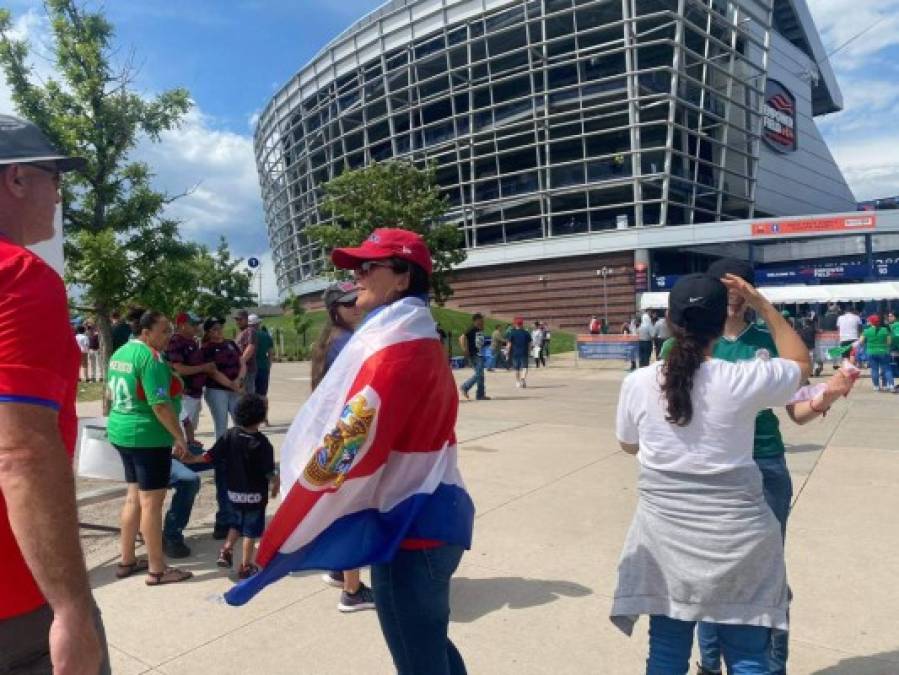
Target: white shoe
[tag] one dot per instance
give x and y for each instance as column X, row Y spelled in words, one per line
column 876, row 388
column 524, row 385
column 518, row 385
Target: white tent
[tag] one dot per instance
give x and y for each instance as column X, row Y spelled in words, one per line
column 791, row 295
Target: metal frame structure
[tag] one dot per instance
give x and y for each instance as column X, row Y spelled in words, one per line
column 545, row 118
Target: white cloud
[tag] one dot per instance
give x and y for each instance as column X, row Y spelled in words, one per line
column 839, row 21
column 31, row 26
column 871, row 166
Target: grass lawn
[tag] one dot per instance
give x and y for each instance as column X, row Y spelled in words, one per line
column 453, row 322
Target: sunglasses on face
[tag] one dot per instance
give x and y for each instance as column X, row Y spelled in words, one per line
column 366, row 267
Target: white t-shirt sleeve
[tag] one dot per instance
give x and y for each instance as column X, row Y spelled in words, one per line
column 626, row 426
column 770, row 383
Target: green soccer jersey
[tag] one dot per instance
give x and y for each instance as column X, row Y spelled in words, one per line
column 745, row 347
column 876, row 338
column 138, row 379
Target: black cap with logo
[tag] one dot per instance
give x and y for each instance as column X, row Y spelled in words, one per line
column 698, row 302
column 21, row 142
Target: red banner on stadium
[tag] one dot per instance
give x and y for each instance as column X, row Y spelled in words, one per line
column 814, row 225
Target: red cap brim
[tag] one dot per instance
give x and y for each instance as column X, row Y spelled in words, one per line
column 350, row 258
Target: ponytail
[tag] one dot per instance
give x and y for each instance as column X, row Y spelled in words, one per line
column 679, row 370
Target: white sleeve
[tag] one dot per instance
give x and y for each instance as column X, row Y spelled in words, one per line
column 771, row 383
column 626, row 427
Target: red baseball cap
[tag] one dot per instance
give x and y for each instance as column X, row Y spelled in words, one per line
column 383, row 243
column 187, row 317
column 874, row 320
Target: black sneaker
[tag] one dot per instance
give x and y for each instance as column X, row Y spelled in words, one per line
column 175, row 549
column 220, row 532
column 358, row 601
column 705, row 671
column 334, row 579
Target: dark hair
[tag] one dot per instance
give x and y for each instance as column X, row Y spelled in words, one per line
column 476, row 316
column 134, row 314
column 80, row 328
column 149, row 319
column 250, row 410
column 419, row 281
column 680, row 367
column 319, row 354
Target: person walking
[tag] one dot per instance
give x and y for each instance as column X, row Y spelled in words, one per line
column 144, row 426
column 247, row 341
column 497, row 346
column 704, row 545
column 519, row 350
column 48, row 617
column 660, row 333
column 264, row 346
column 537, row 337
column 222, row 402
column 878, row 342
column 547, row 339
column 84, row 346
column 392, row 392
column 849, row 325
column 645, row 334
column 472, row 342
column 94, row 372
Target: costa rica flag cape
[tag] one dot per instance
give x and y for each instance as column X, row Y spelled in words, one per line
column 371, row 458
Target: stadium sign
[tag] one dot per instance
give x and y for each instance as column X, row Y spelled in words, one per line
column 779, row 117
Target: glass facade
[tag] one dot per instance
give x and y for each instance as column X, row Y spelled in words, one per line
column 545, row 118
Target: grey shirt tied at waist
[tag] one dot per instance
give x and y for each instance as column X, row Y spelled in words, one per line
column 702, row 548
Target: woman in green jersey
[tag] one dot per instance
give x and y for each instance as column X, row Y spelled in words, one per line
column 143, row 426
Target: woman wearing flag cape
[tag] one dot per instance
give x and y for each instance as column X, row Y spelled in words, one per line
column 369, row 465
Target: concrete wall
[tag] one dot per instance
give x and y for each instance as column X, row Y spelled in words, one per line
column 808, row 180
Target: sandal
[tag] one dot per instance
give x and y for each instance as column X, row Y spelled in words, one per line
column 123, row 571
column 170, row 575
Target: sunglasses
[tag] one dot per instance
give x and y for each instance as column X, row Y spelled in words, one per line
column 365, row 268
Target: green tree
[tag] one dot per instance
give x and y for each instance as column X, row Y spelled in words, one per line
column 117, row 239
column 222, row 283
column 300, row 318
column 392, row 194
column 210, row 283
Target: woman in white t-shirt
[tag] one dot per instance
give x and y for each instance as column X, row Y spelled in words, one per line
column 704, row 545
column 84, row 344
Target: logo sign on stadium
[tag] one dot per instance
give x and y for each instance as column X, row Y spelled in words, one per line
column 779, row 117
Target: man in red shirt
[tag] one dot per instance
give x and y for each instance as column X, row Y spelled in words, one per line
column 48, row 618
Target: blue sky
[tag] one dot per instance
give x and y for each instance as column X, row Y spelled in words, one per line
column 232, row 60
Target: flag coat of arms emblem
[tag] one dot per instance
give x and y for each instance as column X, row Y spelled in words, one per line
column 370, row 461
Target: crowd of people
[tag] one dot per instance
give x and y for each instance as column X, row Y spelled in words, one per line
column 372, row 477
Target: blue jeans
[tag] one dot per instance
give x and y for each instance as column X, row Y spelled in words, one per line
column 745, row 648
column 186, row 485
column 412, row 601
column 477, row 363
column 221, row 402
column 881, row 370
column 778, row 489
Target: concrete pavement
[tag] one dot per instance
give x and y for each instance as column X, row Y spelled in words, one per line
column 554, row 497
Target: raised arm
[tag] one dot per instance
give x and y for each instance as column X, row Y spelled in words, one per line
column 789, row 344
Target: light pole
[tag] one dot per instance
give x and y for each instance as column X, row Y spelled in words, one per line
column 605, row 293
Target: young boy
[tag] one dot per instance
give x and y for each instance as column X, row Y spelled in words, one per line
column 249, row 461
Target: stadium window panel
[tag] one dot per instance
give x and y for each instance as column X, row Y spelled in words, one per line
column 429, row 47
column 509, row 89
column 535, row 33
column 398, row 81
column 437, row 111
column 457, row 36
column 507, row 41
column 563, row 46
column 478, row 51
column 439, row 133
column 523, row 230
column 509, row 63
column 501, row 20
column 486, row 190
column 562, row 76
column 486, row 236
column 557, row 5
column 523, row 183
column 354, row 141
column 458, row 57
column 461, row 103
column 378, row 132
column 376, row 110
column 566, row 151
column 570, row 223
column 520, row 160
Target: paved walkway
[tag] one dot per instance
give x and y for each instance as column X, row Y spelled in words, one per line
column 554, row 497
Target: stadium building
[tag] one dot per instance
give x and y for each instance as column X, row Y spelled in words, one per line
column 589, row 149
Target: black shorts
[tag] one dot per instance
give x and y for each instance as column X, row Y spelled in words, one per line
column 150, row 468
